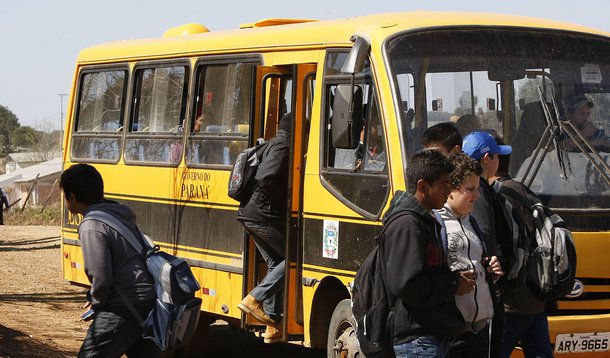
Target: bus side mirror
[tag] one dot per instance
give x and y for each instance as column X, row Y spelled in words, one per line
column 354, row 62
column 346, row 120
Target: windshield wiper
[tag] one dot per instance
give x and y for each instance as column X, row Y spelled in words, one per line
column 555, row 131
column 552, row 133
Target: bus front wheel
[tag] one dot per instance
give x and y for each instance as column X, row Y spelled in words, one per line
column 342, row 340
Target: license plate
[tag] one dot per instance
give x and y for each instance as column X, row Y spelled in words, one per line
column 582, row 342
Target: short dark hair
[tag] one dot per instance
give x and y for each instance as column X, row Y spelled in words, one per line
column 445, row 134
column 84, row 181
column 427, row 165
column 504, row 160
column 463, row 167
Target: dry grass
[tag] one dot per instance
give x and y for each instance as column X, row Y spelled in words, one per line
column 50, row 216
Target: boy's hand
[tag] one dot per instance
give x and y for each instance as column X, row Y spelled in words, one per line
column 466, row 282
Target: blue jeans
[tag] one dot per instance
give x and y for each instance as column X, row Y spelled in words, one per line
column 425, row 346
column 270, row 241
column 533, row 333
column 115, row 331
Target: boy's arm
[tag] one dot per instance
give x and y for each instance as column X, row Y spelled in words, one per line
column 98, row 264
column 405, row 256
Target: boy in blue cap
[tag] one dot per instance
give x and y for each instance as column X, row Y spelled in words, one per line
column 488, row 213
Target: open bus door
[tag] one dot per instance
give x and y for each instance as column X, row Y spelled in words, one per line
column 281, row 90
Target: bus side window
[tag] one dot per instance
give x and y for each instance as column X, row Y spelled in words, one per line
column 358, row 176
column 98, row 129
column 159, row 108
column 221, row 118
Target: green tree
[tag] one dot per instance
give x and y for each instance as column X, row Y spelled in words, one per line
column 24, row 136
column 8, row 122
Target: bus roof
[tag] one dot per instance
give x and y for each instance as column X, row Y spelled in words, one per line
column 294, row 33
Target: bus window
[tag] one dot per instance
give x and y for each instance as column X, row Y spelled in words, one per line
column 222, row 114
column 159, row 108
column 98, row 127
column 356, row 176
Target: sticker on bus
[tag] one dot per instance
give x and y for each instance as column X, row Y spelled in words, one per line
column 582, row 342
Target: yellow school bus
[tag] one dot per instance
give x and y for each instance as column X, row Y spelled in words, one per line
column 360, row 91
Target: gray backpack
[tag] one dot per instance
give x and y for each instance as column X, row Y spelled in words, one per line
column 551, row 265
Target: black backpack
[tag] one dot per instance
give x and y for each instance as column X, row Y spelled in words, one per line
column 551, row 267
column 371, row 304
column 514, row 242
column 241, row 179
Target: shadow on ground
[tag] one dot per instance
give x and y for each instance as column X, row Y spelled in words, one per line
column 16, row 344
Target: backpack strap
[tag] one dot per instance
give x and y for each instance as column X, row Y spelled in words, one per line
column 131, row 238
column 123, row 230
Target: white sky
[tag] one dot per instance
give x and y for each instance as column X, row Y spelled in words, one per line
column 41, row 39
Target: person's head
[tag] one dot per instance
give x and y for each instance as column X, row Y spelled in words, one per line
column 428, row 178
column 200, row 120
column 468, row 123
column 504, row 160
column 82, row 185
column 443, row 137
column 285, row 123
column 465, row 184
column 482, row 147
column 578, row 109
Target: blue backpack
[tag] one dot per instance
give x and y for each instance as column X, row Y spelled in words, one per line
column 173, row 320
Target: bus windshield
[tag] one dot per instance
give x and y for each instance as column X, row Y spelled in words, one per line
column 500, row 81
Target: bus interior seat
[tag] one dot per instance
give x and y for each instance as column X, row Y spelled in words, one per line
column 526, row 138
column 215, row 151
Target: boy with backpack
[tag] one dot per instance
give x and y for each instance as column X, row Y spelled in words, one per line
column 525, row 317
column 424, row 316
column 110, row 262
column 264, row 217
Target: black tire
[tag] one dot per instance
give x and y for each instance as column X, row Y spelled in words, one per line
column 342, row 340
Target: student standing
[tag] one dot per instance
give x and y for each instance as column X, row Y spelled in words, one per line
column 3, row 204
column 425, row 316
column 525, row 318
column 443, row 137
column 110, row 262
column 467, row 252
column 488, row 213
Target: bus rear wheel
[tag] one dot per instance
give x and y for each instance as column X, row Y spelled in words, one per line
column 342, row 340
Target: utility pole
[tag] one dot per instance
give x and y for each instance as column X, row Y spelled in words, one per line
column 61, row 119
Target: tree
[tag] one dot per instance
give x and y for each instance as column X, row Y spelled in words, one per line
column 24, row 136
column 8, row 122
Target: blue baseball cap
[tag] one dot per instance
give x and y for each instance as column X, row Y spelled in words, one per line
column 477, row 144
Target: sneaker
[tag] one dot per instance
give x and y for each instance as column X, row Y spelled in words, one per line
column 273, row 333
column 251, row 306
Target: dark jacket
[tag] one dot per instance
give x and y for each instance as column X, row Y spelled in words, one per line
column 418, row 274
column 522, row 301
column 268, row 201
column 110, row 261
column 486, row 215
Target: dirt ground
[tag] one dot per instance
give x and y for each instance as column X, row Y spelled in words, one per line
column 39, row 310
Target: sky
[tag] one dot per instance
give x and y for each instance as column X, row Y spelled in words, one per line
column 41, row 39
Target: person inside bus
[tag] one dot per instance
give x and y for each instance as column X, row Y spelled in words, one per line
column 371, row 154
column 525, row 317
column 443, row 137
column 467, row 253
column 264, row 218
column 578, row 109
column 110, row 263
column 468, row 123
column 423, row 290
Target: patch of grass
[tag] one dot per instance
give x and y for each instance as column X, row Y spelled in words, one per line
column 51, row 216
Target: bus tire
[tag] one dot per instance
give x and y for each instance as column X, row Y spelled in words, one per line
column 342, row 340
